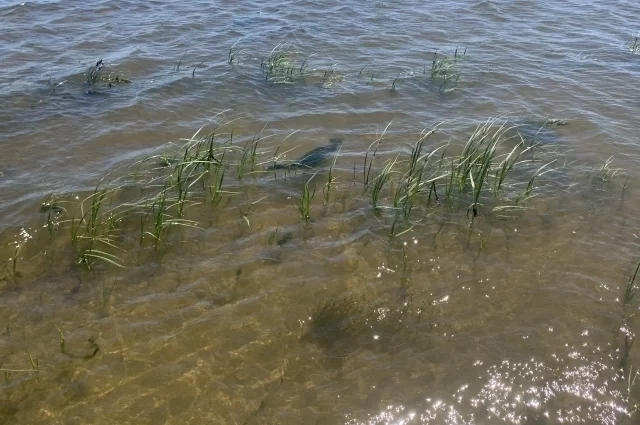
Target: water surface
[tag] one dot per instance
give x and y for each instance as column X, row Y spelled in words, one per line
column 258, row 318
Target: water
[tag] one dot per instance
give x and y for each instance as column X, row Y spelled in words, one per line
column 518, row 317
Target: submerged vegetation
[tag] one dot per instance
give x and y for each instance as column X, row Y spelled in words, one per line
column 491, row 172
column 634, row 45
column 99, row 74
column 286, row 65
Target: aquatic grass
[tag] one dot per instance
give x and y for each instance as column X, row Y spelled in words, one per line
column 393, row 84
column 233, row 53
column 471, row 169
column 631, row 288
column 281, row 66
column 33, row 361
column 97, row 74
column 95, row 227
column 276, row 157
column 248, row 158
column 94, row 73
column 278, row 66
column 330, row 179
column 481, row 174
column 193, row 73
column 483, row 167
column 443, row 69
column 53, row 211
column 162, row 220
column 89, row 256
column 306, row 197
column 215, row 189
column 107, row 291
column 330, row 78
column 506, row 166
column 158, row 209
column 413, row 182
column 177, row 67
column 608, row 171
column 168, row 184
column 380, row 180
column 526, row 194
column 368, row 162
column 245, row 211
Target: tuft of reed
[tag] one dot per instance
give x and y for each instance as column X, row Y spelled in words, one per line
column 393, row 84
column 326, row 190
column 330, row 78
column 248, row 161
column 526, row 194
column 280, row 65
column 444, row 69
column 608, row 171
column 94, row 73
column 233, row 53
column 177, row 67
column 304, row 203
column 368, row 162
column 193, row 73
column 97, row 74
column 631, row 288
column 380, row 181
column 484, row 167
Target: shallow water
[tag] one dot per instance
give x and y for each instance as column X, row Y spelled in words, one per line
column 255, row 317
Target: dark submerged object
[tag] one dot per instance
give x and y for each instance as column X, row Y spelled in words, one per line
column 313, row 158
column 545, row 132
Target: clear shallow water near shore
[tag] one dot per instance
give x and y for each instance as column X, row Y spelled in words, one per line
column 258, row 318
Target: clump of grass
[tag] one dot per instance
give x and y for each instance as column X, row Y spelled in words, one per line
column 607, row 171
column 306, row 197
column 526, row 194
column 280, row 66
column 380, row 181
column 393, row 84
column 233, row 53
column 326, row 190
column 97, row 74
column 631, row 288
column 90, row 255
column 444, row 69
column 22, row 238
column 417, row 178
column 369, row 158
column 248, row 161
column 177, row 67
column 94, row 73
column 330, row 78
column 193, row 73
column 95, row 228
column 483, row 168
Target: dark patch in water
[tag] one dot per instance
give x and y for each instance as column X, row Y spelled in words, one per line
column 344, row 325
column 544, row 132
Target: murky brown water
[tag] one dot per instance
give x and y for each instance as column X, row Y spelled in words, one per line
column 254, row 317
